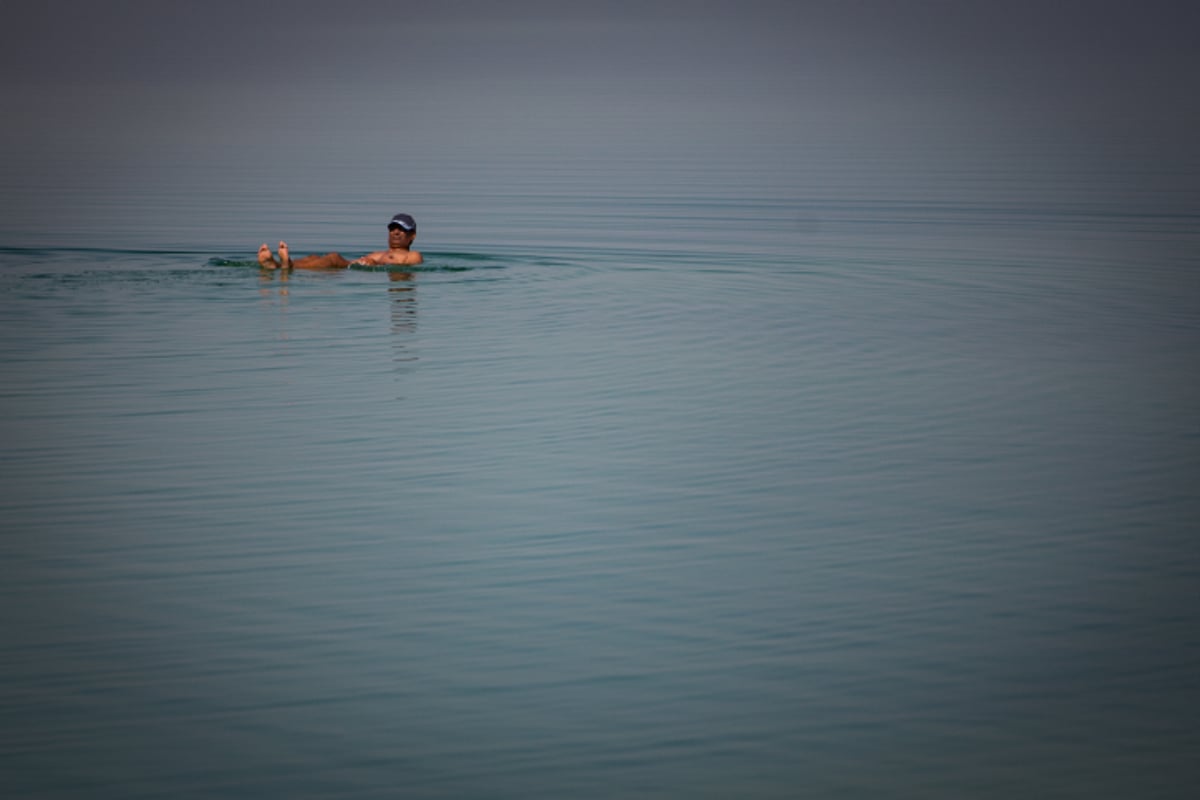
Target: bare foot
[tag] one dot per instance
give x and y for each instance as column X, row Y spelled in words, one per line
column 265, row 259
column 284, row 259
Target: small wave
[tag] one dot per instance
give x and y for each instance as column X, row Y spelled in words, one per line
column 417, row 268
column 461, row 262
column 218, row 261
column 472, row 257
column 434, row 261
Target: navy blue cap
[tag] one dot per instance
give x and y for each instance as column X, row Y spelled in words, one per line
column 404, row 221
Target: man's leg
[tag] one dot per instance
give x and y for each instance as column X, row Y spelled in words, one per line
column 327, row 261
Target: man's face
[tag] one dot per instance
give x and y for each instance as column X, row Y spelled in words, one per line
column 398, row 237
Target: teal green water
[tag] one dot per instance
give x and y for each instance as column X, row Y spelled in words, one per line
column 841, row 491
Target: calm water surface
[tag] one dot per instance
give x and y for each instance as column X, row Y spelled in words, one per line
column 761, row 493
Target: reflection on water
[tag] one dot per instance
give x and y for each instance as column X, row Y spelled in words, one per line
column 275, row 282
column 403, row 293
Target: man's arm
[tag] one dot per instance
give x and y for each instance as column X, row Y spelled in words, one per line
column 369, row 260
column 383, row 257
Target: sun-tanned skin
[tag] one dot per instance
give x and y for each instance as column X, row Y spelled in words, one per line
column 398, row 253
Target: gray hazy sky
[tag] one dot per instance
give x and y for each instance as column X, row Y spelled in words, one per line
column 258, row 64
column 148, row 82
